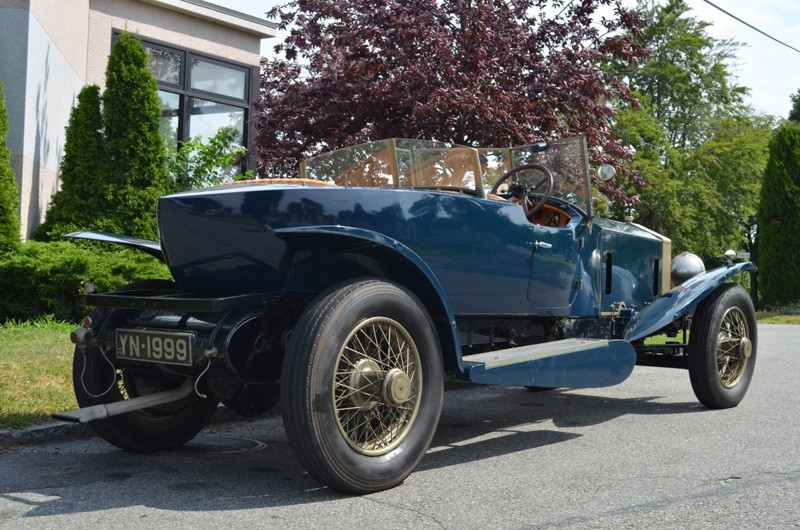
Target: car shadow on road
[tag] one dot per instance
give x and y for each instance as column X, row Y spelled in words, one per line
column 495, row 420
column 476, row 423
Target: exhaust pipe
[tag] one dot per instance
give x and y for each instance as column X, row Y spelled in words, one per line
column 97, row 412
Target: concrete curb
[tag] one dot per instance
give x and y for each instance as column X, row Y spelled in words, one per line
column 64, row 430
column 48, row 432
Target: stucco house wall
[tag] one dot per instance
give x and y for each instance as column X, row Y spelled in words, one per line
column 49, row 49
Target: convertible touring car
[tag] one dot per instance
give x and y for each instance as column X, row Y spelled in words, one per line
column 351, row 293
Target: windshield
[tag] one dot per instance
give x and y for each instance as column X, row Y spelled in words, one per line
column 403, row 163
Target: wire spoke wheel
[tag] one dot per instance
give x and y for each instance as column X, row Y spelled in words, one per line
column 733, row 347
column 362, row 386
column 377, row 386
column 722, row 347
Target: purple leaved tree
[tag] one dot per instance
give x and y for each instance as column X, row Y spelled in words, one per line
column 473, row 72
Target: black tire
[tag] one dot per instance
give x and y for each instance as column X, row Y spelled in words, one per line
column 362, row 386
column 722, row 347
column 97, row 381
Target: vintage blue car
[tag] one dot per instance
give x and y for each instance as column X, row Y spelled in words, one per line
column 352, row 292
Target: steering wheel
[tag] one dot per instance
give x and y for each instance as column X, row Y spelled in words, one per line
column 523, row 193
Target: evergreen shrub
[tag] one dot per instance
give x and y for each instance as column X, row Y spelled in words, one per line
column 779, row 219
column 45, row 278
column 77, row 205
column 9, row 192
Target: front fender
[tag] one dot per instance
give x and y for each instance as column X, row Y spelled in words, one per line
column 680, row 301
column 426, row 286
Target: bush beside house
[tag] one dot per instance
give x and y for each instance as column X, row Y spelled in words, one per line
column 113, row 171
column 135, row 160
column 76, row 205
column 9, row 193
column 115, row 165
column 45, row 278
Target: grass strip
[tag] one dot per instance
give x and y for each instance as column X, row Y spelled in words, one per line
column 35, row 372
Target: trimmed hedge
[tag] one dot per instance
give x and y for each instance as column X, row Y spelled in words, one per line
column 76, row 206
column 9, row 194
column 45, row 278
column 135, row 158
column 779, row 219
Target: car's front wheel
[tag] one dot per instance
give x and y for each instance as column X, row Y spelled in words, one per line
column 722, row 347
column 362, row 386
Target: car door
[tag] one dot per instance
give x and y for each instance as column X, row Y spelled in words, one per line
column 554, row 267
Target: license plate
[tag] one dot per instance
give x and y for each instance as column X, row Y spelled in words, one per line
column 155, row 346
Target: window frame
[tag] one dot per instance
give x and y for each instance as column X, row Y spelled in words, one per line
column 185, row 91
column 214, row 96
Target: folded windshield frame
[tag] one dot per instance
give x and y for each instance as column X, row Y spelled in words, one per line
column 429, row 164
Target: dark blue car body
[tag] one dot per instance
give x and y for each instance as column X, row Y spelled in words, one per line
column 553, row 298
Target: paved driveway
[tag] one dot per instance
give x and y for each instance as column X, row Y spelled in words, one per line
column 642, row 454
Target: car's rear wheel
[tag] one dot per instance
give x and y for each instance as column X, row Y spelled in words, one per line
column 97, row 381
column 362, row 386
column 722, row 347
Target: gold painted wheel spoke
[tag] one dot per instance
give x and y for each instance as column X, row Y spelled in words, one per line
column 345, row 409
column 369, row 416
column 733, row 332
column 722, row 363
column 365, row 355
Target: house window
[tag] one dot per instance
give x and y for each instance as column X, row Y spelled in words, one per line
column 199, row 94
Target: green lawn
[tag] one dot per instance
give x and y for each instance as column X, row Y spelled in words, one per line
column 35, row 373
column 775, row 317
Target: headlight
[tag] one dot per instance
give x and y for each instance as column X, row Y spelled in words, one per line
column 684, row 266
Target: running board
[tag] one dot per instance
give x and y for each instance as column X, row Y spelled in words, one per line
column 97, row 412
column 572, row 363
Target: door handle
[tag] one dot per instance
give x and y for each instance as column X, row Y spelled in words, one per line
column 541, row 244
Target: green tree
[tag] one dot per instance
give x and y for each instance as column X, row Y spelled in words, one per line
column 779, row 219
column 794, row 114
column 638, row 128
column 76, row 205
column 9, row 192
column 199, row 163
column 731, row 161
column 700, row 150
column 687, row 76
column 135, row 159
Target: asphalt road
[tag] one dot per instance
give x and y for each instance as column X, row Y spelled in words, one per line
column 642, row 454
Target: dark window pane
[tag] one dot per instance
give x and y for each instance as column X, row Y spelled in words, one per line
column 218, row 79
column 207, row 117
column 165, row 65
column 170, row 118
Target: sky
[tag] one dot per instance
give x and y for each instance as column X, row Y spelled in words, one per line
column 771, row 71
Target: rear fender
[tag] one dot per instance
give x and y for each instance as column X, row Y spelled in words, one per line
column 145, row 245
column 398, row 260
column 680, row 301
